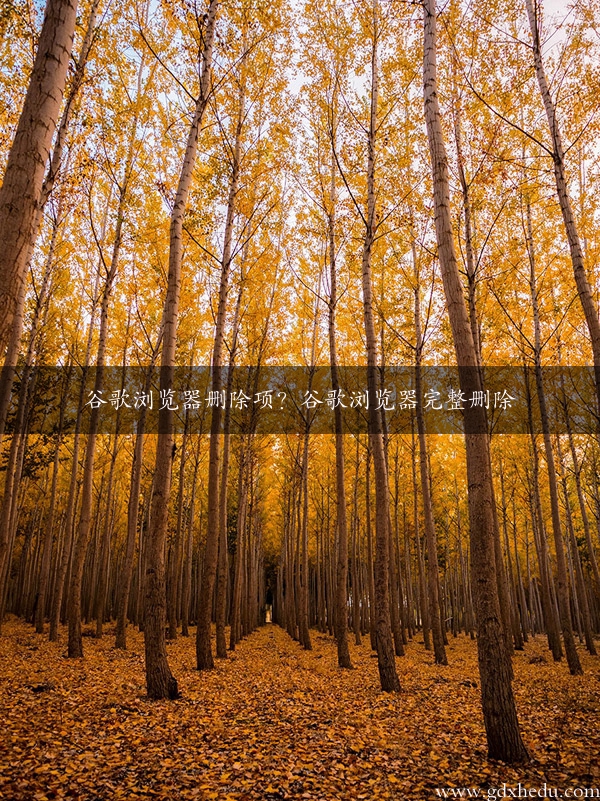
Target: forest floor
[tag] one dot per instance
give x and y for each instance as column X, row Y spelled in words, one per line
column 275, row 722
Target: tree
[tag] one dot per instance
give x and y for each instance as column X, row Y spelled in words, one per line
column 28, row 157
column 499, row 711
column 159, row 679
column 385, row 648
column 558, row 158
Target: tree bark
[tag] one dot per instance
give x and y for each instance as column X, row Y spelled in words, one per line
column 159, row 679
column 204, row 657
column 499, row 711
column 383, row 634
column 24, row 175
column 439, row 649
column 558, row 157
column 562, row 585
column 341, row 596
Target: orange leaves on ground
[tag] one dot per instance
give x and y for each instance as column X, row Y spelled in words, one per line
column 276, row 722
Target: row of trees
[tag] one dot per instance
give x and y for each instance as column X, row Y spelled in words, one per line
column 223, row 186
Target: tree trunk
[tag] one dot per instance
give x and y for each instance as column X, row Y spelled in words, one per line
column 579, row 581
column 75, row 649
column 133, row 515
column 44, row 577
column 439, row 650
column 24, row 175
column 562, row 586
column 204, row 657
column 159, row 679
column 383, row 635
column 223, row 560
column 500, row 716
column 558, row 156
column 341, row 593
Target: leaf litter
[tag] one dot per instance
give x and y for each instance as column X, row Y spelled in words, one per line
column 274, row 721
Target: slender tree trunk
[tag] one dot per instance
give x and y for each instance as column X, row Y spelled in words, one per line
column 383, row 635
column 204, row 657
column 159, row 679
column 302, row 542
column 176, row 550
column 133, row 514
column 558, row 156
column 439, row 650
column 236, row 596
column 582, row 505
column 101, row 587
column 186, row 590
column 65, row 558
column 341, row 598
column 423, row 603
column 44, row 578
column 562, row 585
column 83, row 532
column 75, row 648
column 11, row 482
column 499, row 711
column 541, row 543
column 223, row 560
column 24, row 175
column 356, row 599
column 577, row 580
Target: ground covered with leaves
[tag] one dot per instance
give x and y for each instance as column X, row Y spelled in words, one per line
column 274, row 722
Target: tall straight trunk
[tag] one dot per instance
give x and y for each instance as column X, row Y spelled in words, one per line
column 302, row 573
column 186, row 589
column 469, row 614
column 341, row 592
column 408, row 574
column 558, row 157
column 582, row 505
column 577, row 580
column 423, row 604
column 133, row 504
column 503, row 591
column 75, row 648
column 439, row 650
column 470, row 256
column 64, row 559
column 159, row 679
column 242, row 495
column 83, row 531
column 11, row 482
column 124, row 587
column 516, row 627
column 176, row 550
column 356, row 595
column 523, row 606
column 369, row 565
column 204, row 657
column 383, row 635
column 541, row 543
column 223, row 559
column 499, row 711
column 290, row 584
column 102, row 585
column 46, row 190
column 24, row 175
column 44, row 577
column 562, row 583
column 396, row 589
